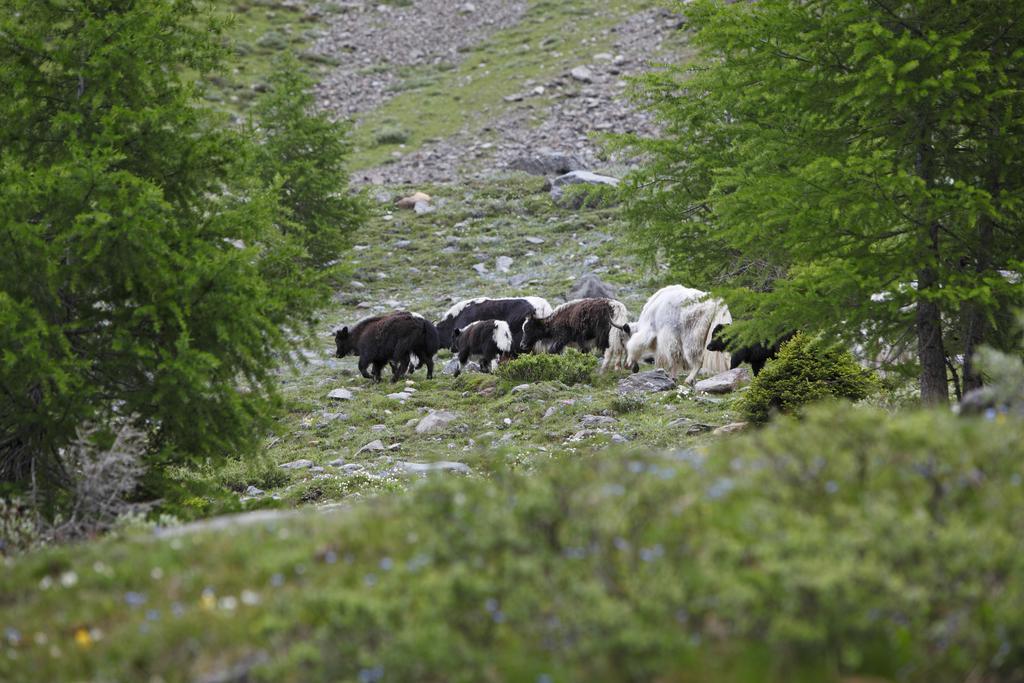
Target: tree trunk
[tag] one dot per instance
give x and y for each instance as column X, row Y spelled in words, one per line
column 975, row 324
column 931, row 352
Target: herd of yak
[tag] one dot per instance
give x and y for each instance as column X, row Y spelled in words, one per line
column 679, row 329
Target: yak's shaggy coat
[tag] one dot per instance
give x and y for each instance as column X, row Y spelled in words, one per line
column 676, row 326
column 487, row 340
column 584, row 323
column 398, row 339
column 513, row 311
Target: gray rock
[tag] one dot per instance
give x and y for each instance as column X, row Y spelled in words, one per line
column 535, row 240
column 692, row 426
column 588, row 286
column 352, row 468
column 552, row 410
column 302, row 464
column 503, row 263
column 558, row 185
column 375, row 445
column 480, row 268
column 450, row 367
column 378, row 428
column 619, row 438
column 590, row 421
column 545, row 162
column 356, row 284
column 411, row 422
column 253, row 491
column 519, row 388
column 435, row 421
column 337, row 462
column 340, row 395
column 328, row 418
column 724, row 382
column 582, row 74
column 977, row 401
column 649, row 382
column 591, row 261
column 731, row 428
column 427, row 467
column 400, row 396
column 403, row 244
column 422, row 208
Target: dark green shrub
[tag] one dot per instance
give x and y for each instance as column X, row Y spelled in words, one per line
column 808, row 369
column 570, row 367
column 391, row 135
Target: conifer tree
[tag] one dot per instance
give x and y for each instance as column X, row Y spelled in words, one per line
column 848, row 166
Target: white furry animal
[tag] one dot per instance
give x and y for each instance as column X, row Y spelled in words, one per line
column 675, row 326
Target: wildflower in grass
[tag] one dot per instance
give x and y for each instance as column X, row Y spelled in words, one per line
column 83, row 639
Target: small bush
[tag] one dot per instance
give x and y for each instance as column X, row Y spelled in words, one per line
column 808, row 369
column 391, row 135
column 628, row 403
column 571, row 367
column 262, row 473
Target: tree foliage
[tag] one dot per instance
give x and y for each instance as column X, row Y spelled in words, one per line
column 842, row 166
column 304, row 152
column 143, row 274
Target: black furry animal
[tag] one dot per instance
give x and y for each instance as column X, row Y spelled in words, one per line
column 392, row 339
column 585, row 323
column 512, row 311
column 488, row 340
column 756, row 354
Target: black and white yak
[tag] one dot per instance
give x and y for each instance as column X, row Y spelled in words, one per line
column 400, row 339
column 586, row 324
column 756, row 354
column 490, row 341
column 675, row 326
column 511, row 310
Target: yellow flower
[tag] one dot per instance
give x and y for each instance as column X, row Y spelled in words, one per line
column 82, row 637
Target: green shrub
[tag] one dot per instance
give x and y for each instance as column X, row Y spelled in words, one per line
column 260, row 472
column 628, row 403
column 391, row 135
column 849, row 544
column 570, row 367
column 808, row 369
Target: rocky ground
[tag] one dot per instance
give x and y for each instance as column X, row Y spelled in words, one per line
column 544, row 123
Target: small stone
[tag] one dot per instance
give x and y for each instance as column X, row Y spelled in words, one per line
column 340, row 395
column 422, row 208
column 582, row 74
column 520, row 387
column 253, row 491
column 535, row 240
column 400, row 396
column 378, row 428
column 352, row 468
column 552, row 410
column 302, row 464
column 589, row 421
column 356, row 284
column 480, row 268
column 507, row 421
column 619, row 438
column 503, row 263
column 337, row 462
column 328, row 418
column 731, row 428
column 376, row 445
column 403, row 244
column 411, row 422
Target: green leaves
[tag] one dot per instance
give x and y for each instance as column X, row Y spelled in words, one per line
column 864, row 145
column 147, row 273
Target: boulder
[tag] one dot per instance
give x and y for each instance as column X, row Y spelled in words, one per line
column 503, row 263
column 435, row 421
column 724, row 382
column 590, row 421
column 427, row 467
column 545, row 162
column 450, row 367
column 577, row 200
column 410, row 201
column 582, row 74
column 692, row 427
column 649, row 382
column 732, row 427
column 589, row 285
column 252, row 491
column 297, row 465
column 375, row 445
column 340, row 395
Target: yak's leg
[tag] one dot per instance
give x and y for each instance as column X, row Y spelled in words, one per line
column 378, row 366
column 363, row 364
